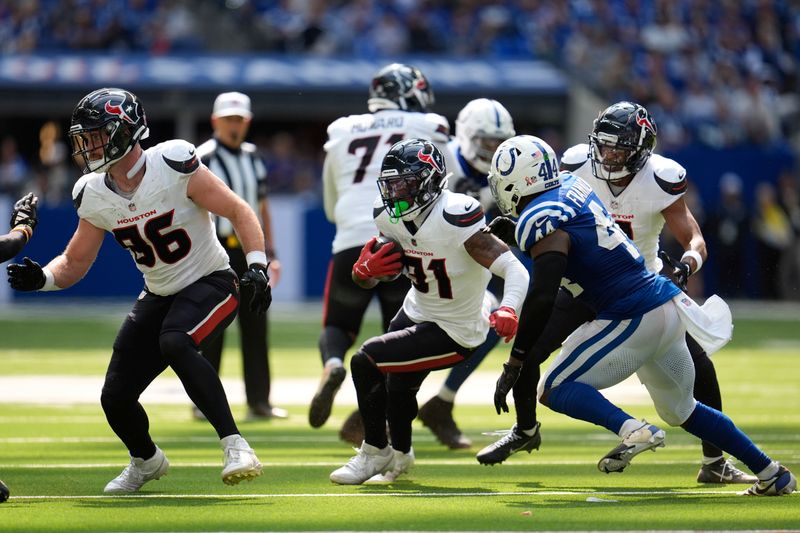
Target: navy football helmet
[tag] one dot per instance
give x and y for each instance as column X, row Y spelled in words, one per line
column 105, row 125
column 623, row 137
column 413, row 175
column 399, row 86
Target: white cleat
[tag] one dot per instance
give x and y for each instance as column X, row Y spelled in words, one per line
column 139, row 472
column 240, row 463
column 647, row 437
column 401, row 464
column 783, row 482
column 367, row 462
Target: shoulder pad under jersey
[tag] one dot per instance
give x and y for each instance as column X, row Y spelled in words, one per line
column 441, row 127
column 669, row 175
column 180, row 156
column 462, row 210
column 575, row 157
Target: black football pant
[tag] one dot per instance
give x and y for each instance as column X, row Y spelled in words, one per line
column 388, row 370
column 253, row 339
column 345, row 303
column 169, row 331
column 568, row 314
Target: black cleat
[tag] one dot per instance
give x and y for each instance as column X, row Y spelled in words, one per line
column 515, row 441
column 437, row 415
column 322, row 402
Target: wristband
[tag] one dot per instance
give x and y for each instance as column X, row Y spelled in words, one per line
column 24, row 229
column 694, row 255
column 256, row 257
column 49, row 281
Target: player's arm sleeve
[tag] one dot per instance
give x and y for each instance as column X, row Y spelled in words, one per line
column 181, row 157
column 508, row 267
column 466, row 215
column 329, row 194
column 548, row 269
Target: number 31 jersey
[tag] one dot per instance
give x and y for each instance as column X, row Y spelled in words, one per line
column 171, row 239
column 354, row 153
column 448, row 285
column 602, row 259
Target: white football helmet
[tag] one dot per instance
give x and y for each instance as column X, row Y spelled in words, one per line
column 480, row 127
column 522, row 166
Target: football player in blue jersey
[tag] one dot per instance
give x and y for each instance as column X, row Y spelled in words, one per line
column 23, row 220
column 640, row 325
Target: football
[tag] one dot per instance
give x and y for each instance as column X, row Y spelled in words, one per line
column 382, row 240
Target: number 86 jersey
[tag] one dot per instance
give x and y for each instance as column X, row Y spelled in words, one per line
column 172, row 240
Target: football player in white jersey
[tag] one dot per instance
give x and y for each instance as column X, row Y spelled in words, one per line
column 399, row 99
column 445, row 315
column 642, row 191
column 157, row 204
column 481, row 125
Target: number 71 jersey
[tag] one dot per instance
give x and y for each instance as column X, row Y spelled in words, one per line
column 354, row 153
column 170, row 238
column 602, row 259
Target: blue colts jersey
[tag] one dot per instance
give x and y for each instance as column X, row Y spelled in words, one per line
column 602, row 260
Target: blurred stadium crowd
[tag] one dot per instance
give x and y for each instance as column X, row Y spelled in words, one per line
column 716, row 73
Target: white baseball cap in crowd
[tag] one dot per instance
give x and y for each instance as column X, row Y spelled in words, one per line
column 232, row 104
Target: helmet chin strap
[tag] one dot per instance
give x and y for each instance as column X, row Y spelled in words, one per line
column 136, row 166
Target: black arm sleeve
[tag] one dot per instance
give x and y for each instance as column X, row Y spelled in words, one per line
column 548, row 269
column 11, row 244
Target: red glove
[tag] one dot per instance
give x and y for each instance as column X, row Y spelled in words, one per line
column 377, row 264
column 504, row 321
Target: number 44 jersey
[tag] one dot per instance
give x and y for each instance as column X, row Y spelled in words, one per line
column 602, row 259
column 171, row 239
column 354, row 153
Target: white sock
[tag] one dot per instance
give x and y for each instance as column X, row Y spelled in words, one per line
column 529, row 432
column 629, row 426
column 333, row 362
column 228, row 441
column 447, row 394
column 711, row 460
column 769, row 471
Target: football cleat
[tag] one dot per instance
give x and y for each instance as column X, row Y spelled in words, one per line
column 647, row 437
column 401, row 464
column 514, row 441
column 437, row 415
column 265, row 411
column 723, row 471
column 240, row 462
column 783, row 482
column 367, row 462
column 139, row 472
column 322, row 402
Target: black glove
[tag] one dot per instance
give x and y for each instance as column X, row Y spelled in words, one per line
column 25, row 211
column 27, row 276
column 469, row 187
column 504, row 228
column 680, row 270
column 504, row 384
column 257, row 277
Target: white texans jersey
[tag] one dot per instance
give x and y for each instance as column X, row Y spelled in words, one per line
column 354, row 153
column 637, row 209
column 171, row 239
column 448, row 285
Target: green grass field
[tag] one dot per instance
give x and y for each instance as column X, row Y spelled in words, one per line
column 57, row 458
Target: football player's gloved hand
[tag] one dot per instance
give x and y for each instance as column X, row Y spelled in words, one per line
column 504, row 321
column 468, row 187
column 504, row 228
column 504, row 384
column 680, row 270
column 376, row 264
column 258, row 278
column 24, row 213
column 27, row 276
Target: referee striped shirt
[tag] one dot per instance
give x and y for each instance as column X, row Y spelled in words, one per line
column 242, row 170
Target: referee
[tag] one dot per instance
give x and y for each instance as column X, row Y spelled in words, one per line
column 237, row 163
